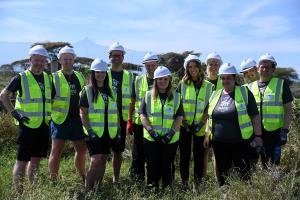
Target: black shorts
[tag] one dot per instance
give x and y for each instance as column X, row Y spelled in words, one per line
column 32, row 142
column 101, row 146
column 105, row 144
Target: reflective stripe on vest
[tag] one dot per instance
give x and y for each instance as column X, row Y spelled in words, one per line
column 272, row 112
column 96, row 114
column 241, row 102
column 127, row 83
column 30, row 104
column 141, row 87
column 161, row 121
column 61, row 101
column 193, row 104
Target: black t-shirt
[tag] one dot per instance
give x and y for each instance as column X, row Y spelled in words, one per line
column 104, row 93
column 75, row 89
column 117, row 78
column 163, row 98
column 225, row 118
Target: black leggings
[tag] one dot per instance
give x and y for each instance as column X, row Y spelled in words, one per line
column 185, row 145
column 229, row 156
column 159, row 158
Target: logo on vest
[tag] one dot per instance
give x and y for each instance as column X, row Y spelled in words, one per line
column 269, row 97
column 169, row 110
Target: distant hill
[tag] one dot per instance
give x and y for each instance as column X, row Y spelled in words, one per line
column 83, row 48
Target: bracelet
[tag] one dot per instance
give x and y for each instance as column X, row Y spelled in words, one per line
column 260, row 136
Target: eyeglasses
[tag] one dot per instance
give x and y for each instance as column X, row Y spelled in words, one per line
column 117, row 55
column 150, row 65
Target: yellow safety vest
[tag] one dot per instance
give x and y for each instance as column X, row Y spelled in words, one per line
column 193, row 104
column 30, row 104
column 161, row 120
column 61, row 101
column 241, row 102
column 141, row 87
column 96, row 114
column 272, row 112
column 127, row 83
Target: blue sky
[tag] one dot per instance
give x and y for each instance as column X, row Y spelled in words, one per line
column 235, row 29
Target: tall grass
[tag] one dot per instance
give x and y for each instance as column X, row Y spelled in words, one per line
column 283, row 183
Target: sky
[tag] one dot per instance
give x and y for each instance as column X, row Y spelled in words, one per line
column 235, row 29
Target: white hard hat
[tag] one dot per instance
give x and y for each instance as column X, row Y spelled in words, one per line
column 99, row 65
column 38, row 50
column 161, row 71
column 267, row 56
column 247, row 64
column 227, row 68
column 116, row 47
column 214, row 55
column 66, row 49
column 150, row 57
column 190, row 58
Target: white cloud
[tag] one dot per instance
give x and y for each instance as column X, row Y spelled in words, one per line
column 254, row 7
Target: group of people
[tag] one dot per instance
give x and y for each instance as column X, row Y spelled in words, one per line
column 239, row 122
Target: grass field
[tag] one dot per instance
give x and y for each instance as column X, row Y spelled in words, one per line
column 264, row 184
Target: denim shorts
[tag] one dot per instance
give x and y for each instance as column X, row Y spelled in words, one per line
column 71, row 129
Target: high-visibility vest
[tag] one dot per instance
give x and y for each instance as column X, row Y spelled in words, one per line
column 96, row 114
column 141, row 87
column 61, row 101
column 241, row 102
column 218, row 86
column 161, row 120
column 193, row 104
column 127, row 83
column 30, row 104
column 272, row 112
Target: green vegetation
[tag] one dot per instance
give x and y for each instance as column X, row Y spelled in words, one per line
column 264, row 184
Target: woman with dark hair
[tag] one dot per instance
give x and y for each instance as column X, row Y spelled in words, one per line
column 233, row 122
column 98, row 111
column 195, row 92
column 161, row 116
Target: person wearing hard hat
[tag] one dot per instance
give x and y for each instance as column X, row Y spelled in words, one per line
column 195, row 92
column 121, row 82
column 249, row 70
column 143, row 83
column 32, row 114
column 274, row 101
column 213, row 63
column 161, row 116
column 65, row 119
column 250, row 74
column 233, row 122
column 99, row 115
